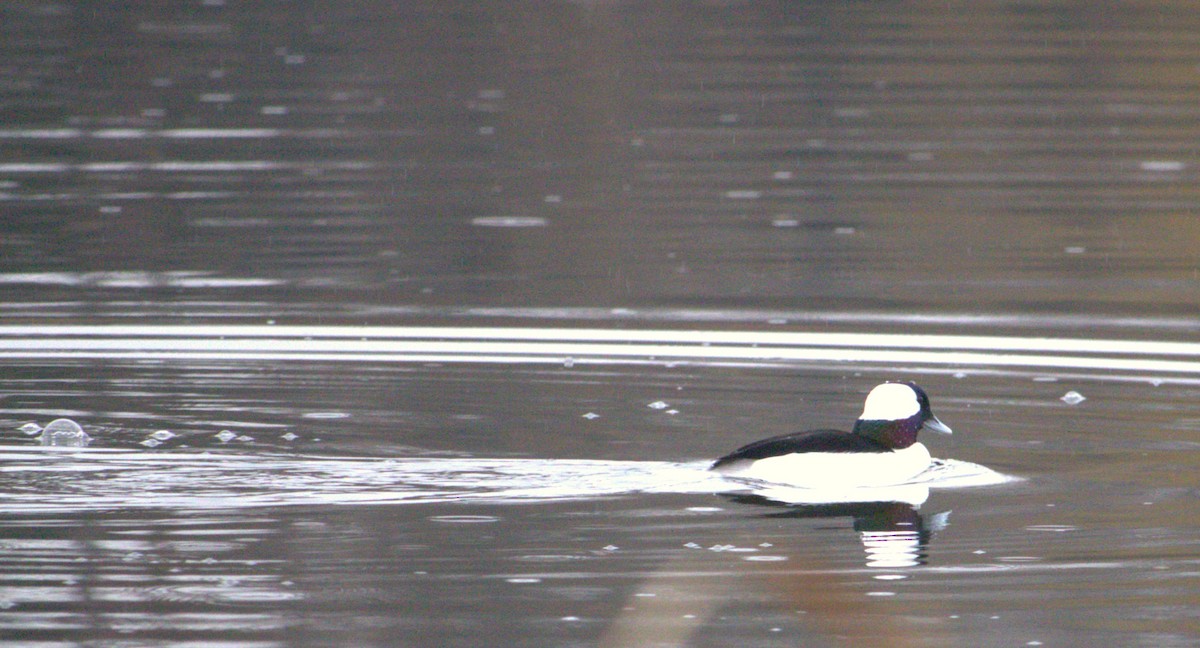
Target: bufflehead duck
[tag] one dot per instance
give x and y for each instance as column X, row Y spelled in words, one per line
column 882, row 450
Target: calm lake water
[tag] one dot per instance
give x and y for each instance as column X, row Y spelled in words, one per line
column 415, row 324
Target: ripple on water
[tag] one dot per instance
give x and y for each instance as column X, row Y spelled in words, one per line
column 223, row 591
column 90, row 479
column 1052, row 528
column 550, row 558
column 464, row 519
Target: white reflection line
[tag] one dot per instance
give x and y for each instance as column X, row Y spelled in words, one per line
column 40, row 133
column 217, row 165
column 34, row 167
column 543, row 336
column 138, row 133
column 524, row 352
column 220, row 133
column 168, row 167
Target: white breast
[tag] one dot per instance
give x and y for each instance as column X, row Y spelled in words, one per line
column 835, row 469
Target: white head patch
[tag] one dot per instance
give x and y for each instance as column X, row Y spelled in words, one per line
column 890, row 402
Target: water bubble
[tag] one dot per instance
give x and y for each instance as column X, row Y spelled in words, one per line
column 226, row 436
column 64, row 432
column 163, row 435
column 150, row 443
column 30, row 429
column 288, row 437
column 591, row 416
column 1072, row 398
column 658, row 405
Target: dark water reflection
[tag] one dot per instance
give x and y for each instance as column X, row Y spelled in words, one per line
column 987, row 168
column 346, row 160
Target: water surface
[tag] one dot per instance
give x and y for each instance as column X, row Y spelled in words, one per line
column 415, row 324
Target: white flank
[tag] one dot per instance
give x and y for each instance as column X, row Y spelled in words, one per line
column 835, row 469
column 890, row 402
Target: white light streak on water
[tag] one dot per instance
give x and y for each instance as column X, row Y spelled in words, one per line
column 40, row 133
column 596, row 346
column 120, row 133
column 133, row 279
column 508, row 221
column 34, row 167
column 139, row 133
column 221, row 133
column 217, row 165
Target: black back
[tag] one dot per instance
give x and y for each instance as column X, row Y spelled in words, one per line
column 814, row 441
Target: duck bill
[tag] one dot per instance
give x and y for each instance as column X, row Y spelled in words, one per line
column 934, row 425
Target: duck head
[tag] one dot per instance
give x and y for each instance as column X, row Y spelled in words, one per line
column 895, row 412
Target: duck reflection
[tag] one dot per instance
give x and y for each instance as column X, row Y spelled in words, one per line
column 842, row 605
column 894, row 534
